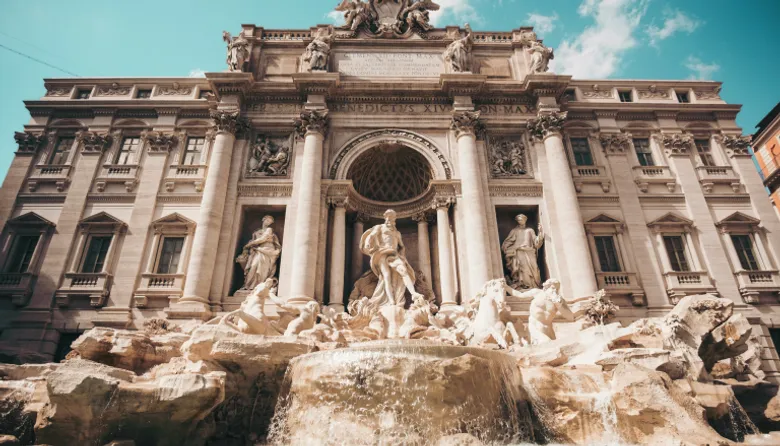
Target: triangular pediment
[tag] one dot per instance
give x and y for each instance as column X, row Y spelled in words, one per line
column 175, row 218
column 740, row 218
column 603, row 218
column 30, row 219
column 102, row 218
column 671, row 219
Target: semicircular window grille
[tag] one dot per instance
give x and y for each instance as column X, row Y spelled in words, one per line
column 390, row 173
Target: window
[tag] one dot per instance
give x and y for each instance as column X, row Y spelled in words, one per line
column 682, row 97
column 643, row 152
column 704, row 151
column 675, row 249
column 608, row 255
column 127, row 150
column 570, row 95
column 625, row 96
column 747, row 257
column 204, row 94
column 22, row 251
column 170, row 254
column 95, row 257
column 61, row 151
column 193, row 151
column 143, row 94
column 83, row 93
column 581, row 150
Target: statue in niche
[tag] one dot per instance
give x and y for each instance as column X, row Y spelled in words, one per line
column 507, row 158
column 546, row 304
column 258, row 259
column 237, row 51
column 416, row 13
column 520, row 249
column 540, row 57
column 318, row 53
column 458, row 54
column 383, row 244
column 269, row 158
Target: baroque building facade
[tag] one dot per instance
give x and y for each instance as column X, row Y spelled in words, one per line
column 137, row 198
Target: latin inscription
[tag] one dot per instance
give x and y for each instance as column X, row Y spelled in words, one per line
column 391, row 109
column 390, row 64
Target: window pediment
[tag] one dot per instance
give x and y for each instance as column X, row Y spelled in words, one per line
column 103, row 220
column 30, row 219
column 173, row 223
column 671, row 222
column 738, row 222
column 604, row 224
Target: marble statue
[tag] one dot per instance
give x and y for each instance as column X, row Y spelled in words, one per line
column 237, row 51
column 415, row 13
column 546, row 304
column 520, row 249
column 540, row 57
column 491, row 323
column 357, row 12
column 251, row 318
column 259, row 256
column 419, row 319
column 306, row 320
column 458, row 54
column 318, row 53
column 383, row 244
column 507, row 158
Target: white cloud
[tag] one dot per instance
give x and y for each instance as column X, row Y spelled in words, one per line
column 457, row 12
column 542, row 24
column 700, row 70
column 598, row 51
column 337, row 17
column 197, row 72
column 674, row 21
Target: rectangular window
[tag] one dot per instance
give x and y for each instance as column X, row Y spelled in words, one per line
column 193, row 151
column 608, row 255
column 83, row 93
column 744, row 247
column 570, row 95
column 95, row 257
column 61, row 151
column 22, row 250
column 682, row 97
column 170, row 253
column 705, row 152
column 143, row 94
column 581, row 150
column 204, row 94
column 643, row 152
column 127, row 150
column 625, row 96
column 675, row 249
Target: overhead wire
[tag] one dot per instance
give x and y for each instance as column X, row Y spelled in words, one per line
column 38, row 60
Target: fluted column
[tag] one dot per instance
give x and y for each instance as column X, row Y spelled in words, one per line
column 465, row 125
column 312, row 126
column 338, row 250
column 204, row 245
column 578, row 264
column 444, row 240
column 357, row 254
column 424, row 246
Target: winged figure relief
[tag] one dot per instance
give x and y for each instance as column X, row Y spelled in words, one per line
column 357, row 12
column 416, row 13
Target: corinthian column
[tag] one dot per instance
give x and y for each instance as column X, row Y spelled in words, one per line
column 444, row 240
column 312, row 126
column 357, row 254
column 465, row 125
column 338, row 251
column 195, row 302
column 424, row 246
column 578, row 265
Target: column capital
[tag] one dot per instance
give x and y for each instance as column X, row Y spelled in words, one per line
column 467, row 123
column 311, row 121
column 615, row 143
column 93, row 143
column 160, row 142
column 676, row 144
column 29, row 142
column 338, row 202
column 228, row 121
column 547, row 124
column 736, row 145
column 422, row 217
column 440, row 202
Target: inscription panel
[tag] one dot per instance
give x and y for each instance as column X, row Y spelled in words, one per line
column 366, row 64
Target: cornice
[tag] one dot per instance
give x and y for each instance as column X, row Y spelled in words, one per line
column 40, row 198
column 180, row 198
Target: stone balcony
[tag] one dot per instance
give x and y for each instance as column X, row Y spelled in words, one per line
column 645, row 176
column 185, row 174
column 622, row 283
column 683, row 283
column 753, row 283
column 18, row 286
column 126, row 174
column 591, row 175
column 59, row 174
column 709, row 176
column 93, row 285
column 164, row 286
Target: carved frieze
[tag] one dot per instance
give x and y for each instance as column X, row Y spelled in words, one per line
column 315, row 121
column 174, row 90
column 269, row 156
column 29, row 142
column 677, row 143
column 113, row 90
column 507, row 157
column 58, row 91
column 466, row 122
column 547, row 124
column 713, row 94
column 597, row 92
column 737, row 145
column 653, row 92
column 94, row 143
column 615, row 143
column 160, row 142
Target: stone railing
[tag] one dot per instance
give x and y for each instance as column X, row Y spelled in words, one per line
column 162, row 286
column 644, row 176
column 16, row 285
column 49, row 173
column 590, row 175
column 709, row 176
column 286, row 35
column 492, row 37
column 753, row 283
column 682, row 283
column 185, row 174
column 126, row 174
column 93, row 285
column 617, row 281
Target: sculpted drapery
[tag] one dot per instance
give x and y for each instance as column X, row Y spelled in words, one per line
column 260, row 255
column 520, row 249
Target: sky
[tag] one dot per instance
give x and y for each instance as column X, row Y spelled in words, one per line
column 733, row 41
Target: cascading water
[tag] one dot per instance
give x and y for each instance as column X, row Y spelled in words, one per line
column 401, row 392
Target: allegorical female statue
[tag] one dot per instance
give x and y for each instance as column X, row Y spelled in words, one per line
column 260, row 255
column 520, row 249
column 318, row 53
column 458, row 54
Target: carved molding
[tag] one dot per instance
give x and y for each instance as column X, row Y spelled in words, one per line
column 547, row 124
column 653, row 92
column 677, row 144
column 113, row 90
column 615, row 143
column 595, row 92
column 265, row 190
column 174, row 90
column 58, row 91
column 713, row 94
column 511, row 190
column 466, row 122
column 314, row 121
column 737, row 145
column 160, row 142
column 94, row 143
column 29, row 142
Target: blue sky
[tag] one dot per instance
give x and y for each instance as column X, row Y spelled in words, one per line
column 730, row 41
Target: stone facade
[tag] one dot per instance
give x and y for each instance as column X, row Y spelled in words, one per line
column 639, row 185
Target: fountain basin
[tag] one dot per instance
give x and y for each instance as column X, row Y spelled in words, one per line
column 401, row 392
